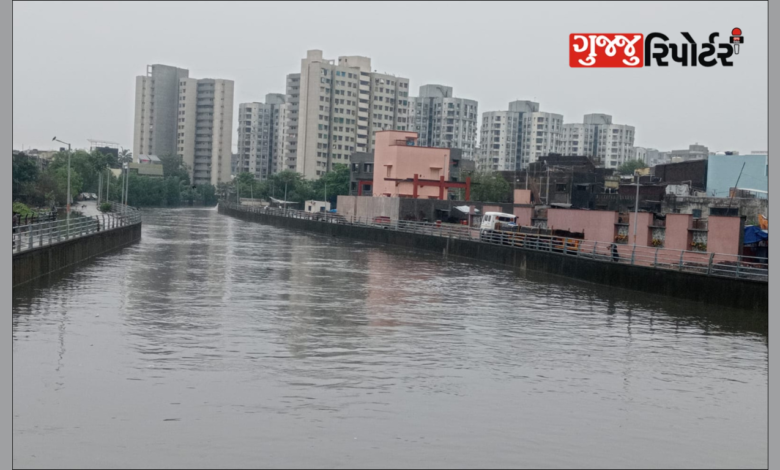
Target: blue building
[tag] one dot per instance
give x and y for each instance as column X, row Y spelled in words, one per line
column 723, row 170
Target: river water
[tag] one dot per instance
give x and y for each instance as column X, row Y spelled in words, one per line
column 216, row 342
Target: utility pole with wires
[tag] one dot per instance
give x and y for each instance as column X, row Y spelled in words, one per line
column 636, row 205
column 736, row 188
column 547, row 191
column 526, row 177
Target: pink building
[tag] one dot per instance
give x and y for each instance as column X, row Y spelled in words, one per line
column 402, row 169
column 594, row 225
column 679, row 232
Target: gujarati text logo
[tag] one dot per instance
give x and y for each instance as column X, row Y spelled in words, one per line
column 634, row 50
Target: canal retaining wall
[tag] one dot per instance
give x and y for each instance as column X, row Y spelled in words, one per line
column 37, row 262
column 734, row 293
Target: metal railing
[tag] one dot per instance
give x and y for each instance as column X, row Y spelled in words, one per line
column 706, row 263
column 27, row 237
column 34, row 219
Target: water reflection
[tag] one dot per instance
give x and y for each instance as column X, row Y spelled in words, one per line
column 217, row 342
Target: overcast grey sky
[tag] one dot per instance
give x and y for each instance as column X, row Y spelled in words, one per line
column 75, row 63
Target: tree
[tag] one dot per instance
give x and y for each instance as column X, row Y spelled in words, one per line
column 630, row 166
column 125, row 156
column 298, row 188
column 173, row 191
column 106, row 159
column 45, row 190
column 208, row 194
column 489, row 187
column 336, row 182
column 89, row 165
column 86, row 168
column 173, row 165
column 25, row 173
column 61, row 178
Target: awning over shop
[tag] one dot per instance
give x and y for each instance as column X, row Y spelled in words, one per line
column 279, row 201
column 465, row 209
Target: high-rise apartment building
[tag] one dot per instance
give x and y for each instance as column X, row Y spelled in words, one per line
column 340, row 106
column 499, row 139
column 259, row 134
column 444, row 121
column 289, row 126
column 576, row 139
column 178, row 115
column 640, row 153
column 597, row 137
column 512, row 139
column 541, row 136
column 205, row 128
column 156, row 110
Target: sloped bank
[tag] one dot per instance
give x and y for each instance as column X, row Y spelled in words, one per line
column 733, row 293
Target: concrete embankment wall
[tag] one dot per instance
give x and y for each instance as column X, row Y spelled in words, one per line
column 38, row 262
column 734, row 293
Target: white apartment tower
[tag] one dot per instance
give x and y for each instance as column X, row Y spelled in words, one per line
column 178, row 115
column 541, row 136
column 597, row 137
column 156, row 110
column 258, row 136
column 289, row 127
column 500, row 135
column 512, row 139
column 341, row 105
column 444, row 121
column 205, row 128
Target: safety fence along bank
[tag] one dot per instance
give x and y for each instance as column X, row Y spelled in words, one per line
column 46, row 246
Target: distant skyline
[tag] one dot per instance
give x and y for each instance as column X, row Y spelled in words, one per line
column 75, row 63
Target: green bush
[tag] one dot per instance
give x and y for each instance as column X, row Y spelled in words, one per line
column 22, row 210
column 105, row 207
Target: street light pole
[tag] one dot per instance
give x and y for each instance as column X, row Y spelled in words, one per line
column 127, row 182
column 636, row 206
column 122, row 188
column 68, row 196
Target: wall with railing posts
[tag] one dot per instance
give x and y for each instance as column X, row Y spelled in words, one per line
column 723, row 279
column 44, row 247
